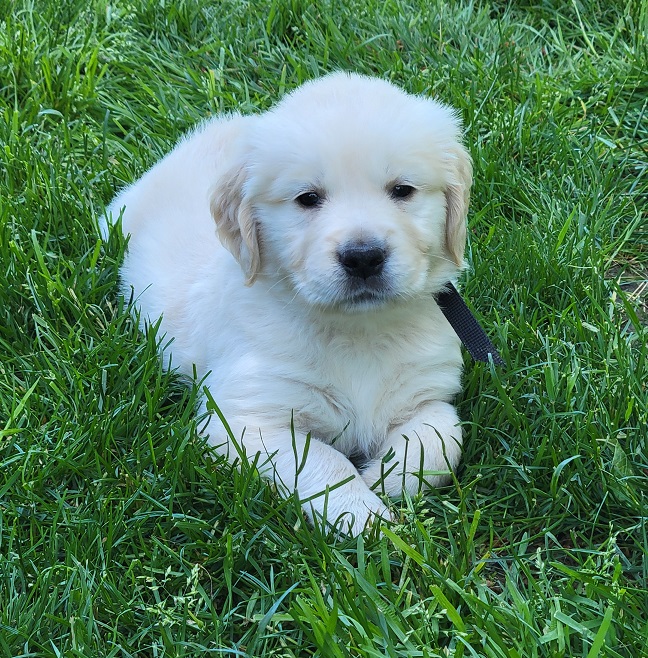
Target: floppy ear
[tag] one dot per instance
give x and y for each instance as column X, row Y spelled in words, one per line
column 235, row 221
column 457, row 200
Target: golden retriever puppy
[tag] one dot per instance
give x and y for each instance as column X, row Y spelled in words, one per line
column 293, row 257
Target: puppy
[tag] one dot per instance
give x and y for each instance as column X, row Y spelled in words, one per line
column 293, row 257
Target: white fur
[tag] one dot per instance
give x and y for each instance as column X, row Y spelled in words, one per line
column 358, row 375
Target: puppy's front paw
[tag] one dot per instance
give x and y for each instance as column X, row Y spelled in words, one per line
column 350, row 509
column 385, row 477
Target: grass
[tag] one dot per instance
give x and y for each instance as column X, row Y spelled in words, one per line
column 120, row 535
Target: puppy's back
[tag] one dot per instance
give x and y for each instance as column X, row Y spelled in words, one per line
column 173, row 249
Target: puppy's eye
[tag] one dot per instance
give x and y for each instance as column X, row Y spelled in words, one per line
column 401, row 191
column 309, row 199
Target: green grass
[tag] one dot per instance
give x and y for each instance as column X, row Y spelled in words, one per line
column 121, row 536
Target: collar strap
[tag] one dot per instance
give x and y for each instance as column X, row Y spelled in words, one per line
column 466, row 326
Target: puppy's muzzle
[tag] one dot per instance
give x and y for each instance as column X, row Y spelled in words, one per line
column 362, row 261
column 365, row 269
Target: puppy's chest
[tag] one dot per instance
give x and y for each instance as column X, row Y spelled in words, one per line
column 359, row 398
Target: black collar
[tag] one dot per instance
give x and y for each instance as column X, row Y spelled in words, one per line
column 466, row 326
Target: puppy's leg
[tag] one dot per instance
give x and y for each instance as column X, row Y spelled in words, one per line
column 418, row 453
column 326, row 482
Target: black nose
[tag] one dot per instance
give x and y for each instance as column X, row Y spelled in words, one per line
column 362, row 261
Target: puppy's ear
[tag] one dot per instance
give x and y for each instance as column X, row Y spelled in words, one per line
column 235, row 221
column 457, row 200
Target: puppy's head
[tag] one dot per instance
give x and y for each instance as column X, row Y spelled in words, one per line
column 351, row 191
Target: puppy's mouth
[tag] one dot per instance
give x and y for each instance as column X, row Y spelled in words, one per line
column 365, row 293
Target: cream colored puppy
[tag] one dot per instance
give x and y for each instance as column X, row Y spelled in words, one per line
column 293, row 257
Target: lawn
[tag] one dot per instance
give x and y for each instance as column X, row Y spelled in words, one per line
column 122, row 535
